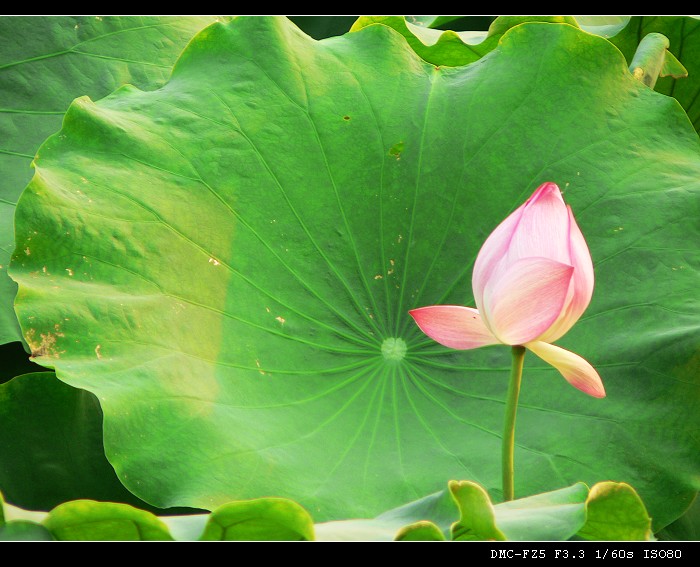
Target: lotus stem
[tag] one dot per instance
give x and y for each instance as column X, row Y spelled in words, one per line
column 516, row 374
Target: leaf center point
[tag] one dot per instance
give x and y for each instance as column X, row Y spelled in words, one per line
column 394, row 348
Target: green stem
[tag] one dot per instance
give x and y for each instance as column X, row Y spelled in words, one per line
column 516, row 374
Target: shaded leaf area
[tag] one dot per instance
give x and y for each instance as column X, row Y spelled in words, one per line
column 321, row 27
column 23, row 530
column 552, row 516
column 455, row 23
column 683, row 33
column 16, row 361
column 51, row 445
column 46, row 62
column 242, row 255
column 685, row 528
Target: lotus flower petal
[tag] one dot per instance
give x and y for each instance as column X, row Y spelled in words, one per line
column 543, row 229
column 454, row 326
column 538, row 228
column 525, row 302
column 491, row 254
column 532, row 280
column 577, row 371
column 582, row 283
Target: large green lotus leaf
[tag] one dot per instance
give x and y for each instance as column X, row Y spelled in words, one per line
column 227, row 263
column 683, row 33
column 46, row 62
column 51, row 446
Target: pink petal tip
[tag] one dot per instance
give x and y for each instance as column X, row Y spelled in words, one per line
column 453, row 326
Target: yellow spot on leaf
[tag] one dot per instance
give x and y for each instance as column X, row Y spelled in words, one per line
column 44, row 346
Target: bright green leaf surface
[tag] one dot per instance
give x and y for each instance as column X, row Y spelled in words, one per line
column 264, row 519
column 420, row 531
column 615, row 512
column 51, row 446
column 46, row 62
column 240, row 248
column 87, row 520
column 477, row 520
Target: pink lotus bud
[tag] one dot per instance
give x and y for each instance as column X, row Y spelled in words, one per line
column 532, row 280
